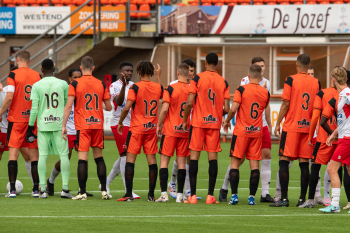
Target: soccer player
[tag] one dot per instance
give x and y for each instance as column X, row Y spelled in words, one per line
column 172, row 183
column 19, row 86
column 174, row 100
column 88, row 94
column 208, row 95
column 339, row 105
column 143, row 99
column 49, row 96
column 298, row 97
column 266, row 143
column 251, row 100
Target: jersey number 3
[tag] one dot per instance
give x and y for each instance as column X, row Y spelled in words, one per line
column 306, row 97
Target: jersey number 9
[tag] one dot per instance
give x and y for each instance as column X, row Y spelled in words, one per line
column 27, row 90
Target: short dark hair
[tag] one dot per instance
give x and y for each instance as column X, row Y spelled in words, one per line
column 47, row 64
column 257, row 59
column 125, row 63
column 24, row 55
column 183, row 69
column 189, row 62
column 303, row 60
column 255, row 71
column 311, row 68
column 212, row 59
column 71, row 71
column 145, row 68
column 87, row 63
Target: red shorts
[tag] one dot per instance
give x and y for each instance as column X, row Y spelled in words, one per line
column 266, row 139
column 16, row 135
column 251, row 147
column 209, row 137
column 168, row 144
column 295, row 145
column 134, row 142
column 120, row 139
column 322, row 153
column 71, row 141
column 3, row 146
column 87, row 138
column 342, row 152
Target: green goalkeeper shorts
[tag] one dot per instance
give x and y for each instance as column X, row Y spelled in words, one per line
column 51, row 142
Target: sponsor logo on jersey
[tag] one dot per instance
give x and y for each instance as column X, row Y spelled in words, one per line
column 178, row 127
column 26, row 114
column 303, row 123
column 252, row 129
column 209, row 119
column 149, row 125
column 92, row 120
column 51, row 119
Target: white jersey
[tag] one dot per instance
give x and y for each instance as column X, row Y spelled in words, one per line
column 343, row 113
column 70, row 123
column 115, row 89
column 173, row 82
column 4, row 122
column 245, row 81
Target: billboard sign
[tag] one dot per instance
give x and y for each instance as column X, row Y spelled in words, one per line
column 7, row 20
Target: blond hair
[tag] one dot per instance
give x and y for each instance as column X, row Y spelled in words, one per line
column 339, row 74
column 24, row 56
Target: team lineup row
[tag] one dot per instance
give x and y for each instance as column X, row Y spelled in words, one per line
column 191, row 116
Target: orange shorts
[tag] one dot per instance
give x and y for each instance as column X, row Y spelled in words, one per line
column 322, row 153
column 134, row 142
column 3, row 146
column 209, row 137
column 87, row 138
column 295, row 145
column 251, row 147
column 168, row 144
column 16, row 135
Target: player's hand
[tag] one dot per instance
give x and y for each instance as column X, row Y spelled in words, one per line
column 184, row 127
column 278, row 131
column 265, row 84
column 64, row 133
column 227, row 125
column 0, row 117
column 270, row 130
column 120, row 129
column 123, row 79
column 30, row 136
column 310, row 143
column 1, row 89
column 330, row 140
column 158, row 71
column 159, row 130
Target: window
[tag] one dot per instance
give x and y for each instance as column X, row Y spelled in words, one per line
column 203, row 51
column 199, row 14
column 205, row 27
column 192, row 26
column 180, row 26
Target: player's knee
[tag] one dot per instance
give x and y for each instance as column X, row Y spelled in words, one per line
column 266, row 154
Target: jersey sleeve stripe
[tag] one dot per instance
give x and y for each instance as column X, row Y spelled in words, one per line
column 289, row 81
column 320, row 94
column 12, row 75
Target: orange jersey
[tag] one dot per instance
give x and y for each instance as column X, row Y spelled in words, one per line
column 22, row 81
column 144, row 113
column 89, row 92
column 211, row 90
column 253, row 100
column 321, row 101
column 300, row 90
column 176, row 95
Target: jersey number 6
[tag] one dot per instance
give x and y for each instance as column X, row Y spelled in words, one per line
column 253, row 110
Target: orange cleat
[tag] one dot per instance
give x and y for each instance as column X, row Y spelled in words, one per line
column 211, row 200
column 126, row 198
column 191, row 200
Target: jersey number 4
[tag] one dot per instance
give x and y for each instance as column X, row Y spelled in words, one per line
column 211, row 96
column 54, row 101
column 153, row 104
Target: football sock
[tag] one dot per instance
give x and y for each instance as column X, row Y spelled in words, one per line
column 129, row 176
column 227, row 178
column 340, row 173
column 101, row 172
column 193, row 175
column 65, row 170
column 314, row 177
column 29, row 169
column 318, row 187
column 347, row 183
column 187, row 179
column 35, row 175
column 122, row 168
column 12, row 171
column 284, row 178
column 163, row 179
column 82, row 175
column 181, row 175
column 326, row 184
column 42, row 169
column 54, row 174
column 114, row 172
column 265, row 176
column 174, row 172
column 153, row 172
column 254, row 181
column 213, row 173
column 304, row 179
column 278, row 183
column 234, row 180
column 335, row 197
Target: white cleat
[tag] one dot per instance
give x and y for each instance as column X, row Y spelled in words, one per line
column 172, row 189
column 106, row 196
column 108, row 191
column 277, row 195
column 135, row 196
column 318, row 200
column 36, row 194
column 43, row 194
column 187, row 194
column 11, row 194
column 163, row 198
column 81, row 197
column 66, row 194
column 179, row 198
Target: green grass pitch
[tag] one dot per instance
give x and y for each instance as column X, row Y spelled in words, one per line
column 26, row 214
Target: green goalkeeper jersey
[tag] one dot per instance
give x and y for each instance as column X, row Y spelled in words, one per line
column 48, row 96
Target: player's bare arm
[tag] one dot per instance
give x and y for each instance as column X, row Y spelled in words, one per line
column 189, row 105
column 124, row 113
column 67, row 111
column 107, row 105
column 325, row 125
column 268, row 118
column 163, row 112
column 333, row 137
column 158, row 72
column 226, row 106
column 119, row 99
column 314, row 120
column 231, row 114
column 7, row 103
column 283, row 111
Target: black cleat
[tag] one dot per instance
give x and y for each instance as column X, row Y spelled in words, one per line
column 150, row 198
column 267, row 198
column 223, row 195
column 89, row 194
column 300, row 202
column 50, row 189
column 281, row 203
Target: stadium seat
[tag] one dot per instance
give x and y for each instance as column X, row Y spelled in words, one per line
column 194, row 4
column 311, row 2
column 205, row 1
column 21, row 2
column 153, row 2
column 44, row 2
column 323, row 1
column 78, row 2
column 231, row 2
column 144, row 7
column 106, row 2
column 337, row 2
column 69, row 2
column 244, row 2
column 270, row 2
column 133, row 15
column 258, row 2
column 206, row 4
column 33, row 2
column 219, row 4
column 57, row 2
column 9, row 3
column 296, row 2
column 283, row 2
column 217, row 1
column 181, row 4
